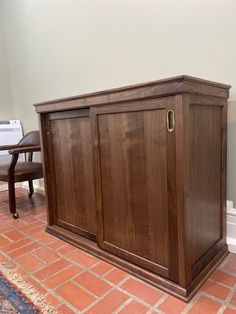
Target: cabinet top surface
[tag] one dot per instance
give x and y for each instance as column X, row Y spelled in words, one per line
column 164, row 87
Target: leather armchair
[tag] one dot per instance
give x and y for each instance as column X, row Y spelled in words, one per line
column 21, row 171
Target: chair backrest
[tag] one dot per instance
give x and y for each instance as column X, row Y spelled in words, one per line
column 30, row 139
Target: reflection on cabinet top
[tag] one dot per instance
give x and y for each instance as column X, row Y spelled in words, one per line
column 165, row 87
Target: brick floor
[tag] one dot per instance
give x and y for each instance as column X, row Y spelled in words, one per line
column 77, row 282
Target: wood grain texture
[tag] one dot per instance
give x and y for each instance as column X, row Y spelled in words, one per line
column 134, row 182
column 180, row 147
column 48, row 169
column 204, row 195
column 203, row 205
column 165, row 87
column 72, row 150
column 137, row 175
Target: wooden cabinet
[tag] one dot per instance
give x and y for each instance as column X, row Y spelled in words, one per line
column 137, row 176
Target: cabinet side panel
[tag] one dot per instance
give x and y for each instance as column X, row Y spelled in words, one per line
column 203, row 199
column 134, row 182
column 72, row 159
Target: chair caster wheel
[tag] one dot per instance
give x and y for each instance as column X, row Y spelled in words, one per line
column 15, row 215
column 30, row 194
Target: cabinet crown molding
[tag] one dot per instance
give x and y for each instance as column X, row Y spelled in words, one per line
column 160, row 88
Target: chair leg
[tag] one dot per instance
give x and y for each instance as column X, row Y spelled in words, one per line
column 31, row 189
column 12, row 199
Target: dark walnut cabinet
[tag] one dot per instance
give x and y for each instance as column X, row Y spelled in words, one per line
column 137, row 176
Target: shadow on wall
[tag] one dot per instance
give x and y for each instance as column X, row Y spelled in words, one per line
column 231, row 158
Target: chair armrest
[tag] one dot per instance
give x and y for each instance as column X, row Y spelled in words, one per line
column 22, row 150
column 8, row 147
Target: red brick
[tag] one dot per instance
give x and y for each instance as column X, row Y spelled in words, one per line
column 224, row 278
column 63, row 276
column 23, row 250
column 29, row 219
column 109, row 303
column 16, row 245
column 43, row 237
column 46, row 254
column 3, row 241
column 35, row 230
column 92, row 283
column 205, row 305
column 172, row 305
column 51, row 300
column 143, row 291
column 51, row 269
column 65, row 310
column 135, row 307
column 56, row 244
column 4, row 228
column 82, row 258
column 14, row 235
column 229, row 311
column 215, row 290
column 75, row 295
column 31, row 226
column 116, row 275
column 15, row 223
column 66, row 249
column 233, row 299
column 29, row 262
column 2, row 258
column 101, row 268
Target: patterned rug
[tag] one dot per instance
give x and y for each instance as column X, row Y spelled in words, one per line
column 12, row 300
column 18, row 297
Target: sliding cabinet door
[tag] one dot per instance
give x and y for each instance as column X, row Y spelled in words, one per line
column 135, row 179
column 71, row 171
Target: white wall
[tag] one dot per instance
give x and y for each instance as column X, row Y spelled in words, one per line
column 231, row 174
column 60, row 48
column 6, row 108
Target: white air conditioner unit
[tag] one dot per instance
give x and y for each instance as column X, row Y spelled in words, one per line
column 10, row 134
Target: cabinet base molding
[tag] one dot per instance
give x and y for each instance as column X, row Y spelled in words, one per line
column 184, row 294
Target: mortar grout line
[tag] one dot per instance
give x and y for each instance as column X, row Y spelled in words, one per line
column 224, row 303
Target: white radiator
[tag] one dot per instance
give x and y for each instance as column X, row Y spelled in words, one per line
column 10, row 133
column 231, row 227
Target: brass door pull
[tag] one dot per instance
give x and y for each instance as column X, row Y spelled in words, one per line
column 170, row 120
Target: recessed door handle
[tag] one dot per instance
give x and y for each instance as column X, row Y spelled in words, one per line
column 170, row 120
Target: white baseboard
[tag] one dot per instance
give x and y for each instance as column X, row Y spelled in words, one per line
column 231, row 244
column 4, row 186
column 231, row 229
column 38, row 186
